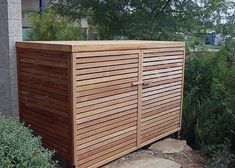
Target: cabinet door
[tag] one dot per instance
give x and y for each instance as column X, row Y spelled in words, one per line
column 106, row 103
column 161, row 93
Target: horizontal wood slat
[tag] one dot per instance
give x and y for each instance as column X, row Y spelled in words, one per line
column 103, row 129
column 105, row 69
column 96, row 101
column 105, row 99
column 163, row 50
column 82, row 150
column 153, row 59
column 156, row 55
column 106, row 105
column 47, row 63
column 163, row 66
column 105, row 74
column 106, row 137
column 105, row 79
column 105, row 147
column 161, row 71
column 116, row 107
column 162, row 62
column 43, row 92
column 107, row 120
column 162, row 97
column 161, row 107
column 104, row 94
column 105, row 113
column 105, row 58
column 108, row 63
column 105, row 53
column 104, row 85
column 160, row 131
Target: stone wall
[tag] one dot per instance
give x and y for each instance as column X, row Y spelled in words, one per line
column 10, row 32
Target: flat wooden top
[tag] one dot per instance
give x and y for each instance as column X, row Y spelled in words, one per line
column 80, row 46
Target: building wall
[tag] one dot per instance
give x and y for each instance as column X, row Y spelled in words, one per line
column 10, row 32
column 30, row 6
column 27, row 7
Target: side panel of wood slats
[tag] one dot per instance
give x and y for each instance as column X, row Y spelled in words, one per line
column 44, row 97
column 106, row 105
column 161, row 98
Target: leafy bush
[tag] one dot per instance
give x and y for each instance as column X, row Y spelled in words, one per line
column 19, row 148
column 51, row 26
column 230, row 49
column 220, row 156
column 209, row 113
column 192, row 42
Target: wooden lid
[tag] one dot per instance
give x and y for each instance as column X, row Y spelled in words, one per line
column 80, row 46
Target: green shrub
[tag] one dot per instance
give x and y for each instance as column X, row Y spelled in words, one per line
column 220, row 156
column 19, row 148
column 208, row 112
column 51, row 26
column 193, row 42
column 230, row 48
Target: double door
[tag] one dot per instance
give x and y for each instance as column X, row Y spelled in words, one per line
column 125, row 100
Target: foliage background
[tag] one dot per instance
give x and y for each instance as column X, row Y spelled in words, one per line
column 150, row 19
column 209, row 95
column 51, row 26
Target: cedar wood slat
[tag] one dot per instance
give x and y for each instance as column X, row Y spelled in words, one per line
column 83, row 46
column 162, row 107
column 50, row 120
column 182, row 93
column 72, row 91
column 107, row 117
column 103, row 129
column 107, row 120
column 103, row 143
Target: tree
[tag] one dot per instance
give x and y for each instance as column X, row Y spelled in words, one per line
column 147, row 19
column 50, row 26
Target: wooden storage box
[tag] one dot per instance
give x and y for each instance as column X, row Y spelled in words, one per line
column 95, row 101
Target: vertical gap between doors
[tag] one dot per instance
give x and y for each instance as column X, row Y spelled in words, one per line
column 139, row 111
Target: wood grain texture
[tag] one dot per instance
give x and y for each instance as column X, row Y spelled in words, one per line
column 82, row 46
column 45, row 96
column 107, row 104
column 161, row 102
column 182, row 93
column 96, row 101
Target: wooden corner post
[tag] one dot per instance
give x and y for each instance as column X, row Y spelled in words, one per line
column 182, row 94
column 72, row 98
